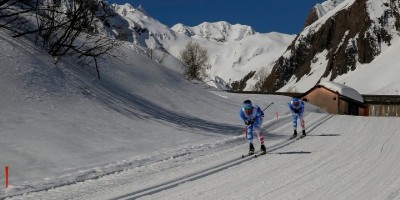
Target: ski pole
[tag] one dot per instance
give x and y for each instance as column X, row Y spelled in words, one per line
column 268, row 106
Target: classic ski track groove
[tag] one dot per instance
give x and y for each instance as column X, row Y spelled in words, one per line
column 208, row 171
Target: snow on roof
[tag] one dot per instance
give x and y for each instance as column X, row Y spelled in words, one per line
column 343, row 90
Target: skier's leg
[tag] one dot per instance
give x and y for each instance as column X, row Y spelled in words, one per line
column 257, row 129
column 250, row 134
column 250, row 139
column 295, row 121
column 261, row 138
column 302, row 124
column 259, row 134
column 294, row 124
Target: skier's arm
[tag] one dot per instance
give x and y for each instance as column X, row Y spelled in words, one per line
column 242, row 116
column 302, row 107
column 291, row 107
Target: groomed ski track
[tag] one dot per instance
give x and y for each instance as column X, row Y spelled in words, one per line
column 187, row 165
column 236, row 161
column 342, row 157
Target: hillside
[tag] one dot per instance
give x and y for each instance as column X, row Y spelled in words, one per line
column 60, row 120
column 335, row 48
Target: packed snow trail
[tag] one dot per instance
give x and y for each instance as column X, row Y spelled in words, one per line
column 342, row 157
column 170, row 173
column 345, row 158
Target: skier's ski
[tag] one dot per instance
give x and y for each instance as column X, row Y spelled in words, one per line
column 247, row 155
column 297, row 138
column 295, row 135
column 259, row 154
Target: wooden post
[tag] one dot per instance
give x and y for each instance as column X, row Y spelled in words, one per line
column 6, row 169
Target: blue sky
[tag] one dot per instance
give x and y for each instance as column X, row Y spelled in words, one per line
column 284, row 16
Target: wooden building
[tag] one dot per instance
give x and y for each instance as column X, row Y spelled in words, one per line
column 383, row 105
column 336, row 98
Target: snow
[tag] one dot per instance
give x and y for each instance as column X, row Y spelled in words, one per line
column 381, row 72
column 326, row 6
column 143, row 131
column 343, row 90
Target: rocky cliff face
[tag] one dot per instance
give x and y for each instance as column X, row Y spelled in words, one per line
column 353, row 35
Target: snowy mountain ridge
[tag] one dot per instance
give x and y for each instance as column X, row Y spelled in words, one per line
column 217, row 31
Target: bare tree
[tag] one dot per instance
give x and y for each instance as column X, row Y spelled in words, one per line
column 64, row 27
column 195, row 59
column 14, row 14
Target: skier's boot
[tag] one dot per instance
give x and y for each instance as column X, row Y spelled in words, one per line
column 251, row 150
column 294, row 133
column 304, row 133
column 263, row 149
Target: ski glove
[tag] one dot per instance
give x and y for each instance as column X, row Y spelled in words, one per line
column 296, row 111
column 249, row 122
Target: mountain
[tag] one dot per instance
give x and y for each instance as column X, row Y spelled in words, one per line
column 343, row 40
column 236, row 49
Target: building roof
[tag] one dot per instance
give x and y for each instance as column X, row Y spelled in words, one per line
column 343, row 90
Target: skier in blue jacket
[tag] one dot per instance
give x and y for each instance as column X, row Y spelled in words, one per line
column 252, row 116
column 297, row 107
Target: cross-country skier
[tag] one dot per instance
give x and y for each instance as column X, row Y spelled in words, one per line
column 297, row 107
column 253, row 116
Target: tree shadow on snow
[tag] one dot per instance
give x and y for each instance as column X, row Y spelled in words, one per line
column 292, row 152
column 324, row 135
column 134, row 106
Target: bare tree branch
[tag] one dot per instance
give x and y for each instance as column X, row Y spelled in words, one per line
column 64, row 27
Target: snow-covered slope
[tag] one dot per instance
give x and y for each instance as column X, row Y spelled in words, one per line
column 58, row 122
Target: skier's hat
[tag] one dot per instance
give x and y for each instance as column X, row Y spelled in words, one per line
column 247, row 105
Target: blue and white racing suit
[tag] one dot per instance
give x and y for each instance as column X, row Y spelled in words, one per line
column 297, row 113
column 256, row 115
